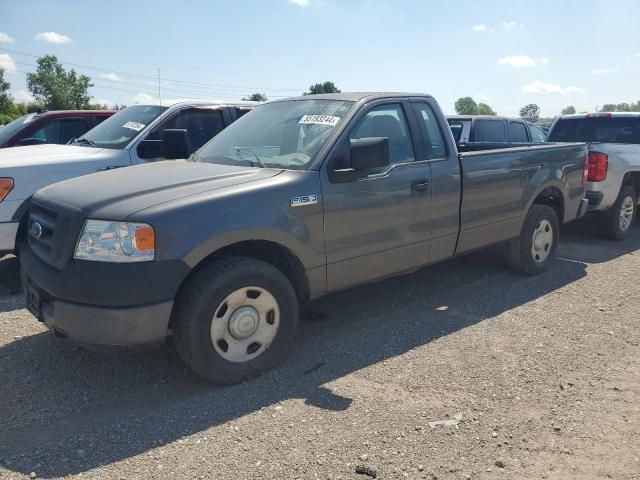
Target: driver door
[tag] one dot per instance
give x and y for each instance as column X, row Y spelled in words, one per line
column 379, row 225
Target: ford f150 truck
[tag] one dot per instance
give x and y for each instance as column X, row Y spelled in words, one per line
column 299, row 198
column 614, row 165
column 130, row 137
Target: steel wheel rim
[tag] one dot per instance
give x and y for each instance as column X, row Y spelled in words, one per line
column 542, row 241
column 245, row 324
column 626, row 213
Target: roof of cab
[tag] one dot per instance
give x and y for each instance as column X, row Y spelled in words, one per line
column 353, row 96
column 601, row 115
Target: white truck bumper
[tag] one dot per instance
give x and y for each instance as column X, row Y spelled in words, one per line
column 8, row 232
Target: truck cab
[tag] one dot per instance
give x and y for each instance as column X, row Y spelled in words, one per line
column 486, row 129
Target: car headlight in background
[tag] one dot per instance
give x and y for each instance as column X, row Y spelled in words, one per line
column 121, row 242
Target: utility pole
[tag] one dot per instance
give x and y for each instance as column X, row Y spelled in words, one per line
column 159, row 94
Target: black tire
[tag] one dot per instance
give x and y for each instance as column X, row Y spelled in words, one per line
column 610, row 221
column 201, row 297
column 519, row 250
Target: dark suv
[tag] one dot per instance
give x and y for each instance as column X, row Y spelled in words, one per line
column 50, row 127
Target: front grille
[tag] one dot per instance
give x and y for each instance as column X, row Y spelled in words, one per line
column 51, row 234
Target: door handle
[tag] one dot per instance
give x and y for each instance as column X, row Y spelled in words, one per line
column 421, row 185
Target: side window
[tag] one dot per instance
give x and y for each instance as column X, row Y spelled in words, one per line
column 490, row 131
column 71, row 128
column 50, row 133
column 387, row 121
column 537, row 135
column 518, row 132
column 433, row 135
column 201, row 125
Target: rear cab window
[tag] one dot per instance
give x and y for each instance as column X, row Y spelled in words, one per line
column 490, row 131
column 604, row 129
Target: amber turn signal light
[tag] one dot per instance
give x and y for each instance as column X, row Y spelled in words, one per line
column 6, row 185
column 145, row 238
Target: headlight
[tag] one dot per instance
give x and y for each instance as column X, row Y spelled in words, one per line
column 103, row 241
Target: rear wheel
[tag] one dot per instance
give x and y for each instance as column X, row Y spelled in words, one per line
column 531, row 253
column 616, row 222
column 235, row 319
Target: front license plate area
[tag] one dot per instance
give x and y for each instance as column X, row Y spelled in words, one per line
column 33, row 302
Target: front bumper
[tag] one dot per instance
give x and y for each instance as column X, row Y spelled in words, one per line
column 101, row 304
column 8, row 233
column 106, row 327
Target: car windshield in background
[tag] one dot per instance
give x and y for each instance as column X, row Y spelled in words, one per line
column 118, row 130
column 280, row 135
column 10, row 129
column 597, row 129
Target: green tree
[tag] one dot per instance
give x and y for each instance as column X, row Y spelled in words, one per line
column 530, row 112
column 57, row 88
column 256, row 97
column 608, row 107
column 318, row 88
column 484, row 109
column 570, row 110
column 6, row 101
column 466, row 106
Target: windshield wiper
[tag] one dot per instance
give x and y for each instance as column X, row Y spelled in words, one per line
column 260, row 162
column 84, row 140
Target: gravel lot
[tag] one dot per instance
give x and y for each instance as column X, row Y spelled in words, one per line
column 544, row 373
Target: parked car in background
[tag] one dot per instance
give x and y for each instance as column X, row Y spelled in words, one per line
column 486, row 129
column 299, row 198
column 614, row 164
column 57, row 127
column 130, row 137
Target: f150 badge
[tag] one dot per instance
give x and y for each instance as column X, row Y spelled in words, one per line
column 303, row 200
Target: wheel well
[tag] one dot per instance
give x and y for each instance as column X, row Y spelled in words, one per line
column 552, row 197
column 269, row 252
column 633, row 179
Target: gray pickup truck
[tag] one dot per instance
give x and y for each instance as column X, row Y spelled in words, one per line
column 299, row 198
column 613, row 184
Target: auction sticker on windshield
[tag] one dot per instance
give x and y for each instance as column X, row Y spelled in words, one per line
column 134, row 126
column 319, row 120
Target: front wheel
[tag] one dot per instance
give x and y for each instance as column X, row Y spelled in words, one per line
column 616, row 222
column 235, row 319
column 531, row 253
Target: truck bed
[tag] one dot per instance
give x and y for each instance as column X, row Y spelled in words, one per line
column 500, row 184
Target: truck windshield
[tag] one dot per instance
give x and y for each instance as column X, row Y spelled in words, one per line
column 118, row 130
column 11, row 128
column 597, row 129
column 280, row 135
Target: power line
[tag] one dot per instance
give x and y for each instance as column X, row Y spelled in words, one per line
column 151, row 78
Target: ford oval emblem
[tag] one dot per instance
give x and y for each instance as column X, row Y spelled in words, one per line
column 36, row 230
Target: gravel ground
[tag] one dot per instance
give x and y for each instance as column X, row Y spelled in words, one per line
column 537, row 377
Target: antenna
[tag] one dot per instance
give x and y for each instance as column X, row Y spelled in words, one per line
column 159, row 94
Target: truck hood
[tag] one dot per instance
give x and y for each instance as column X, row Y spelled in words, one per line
column 47, row 154
column 116, row 194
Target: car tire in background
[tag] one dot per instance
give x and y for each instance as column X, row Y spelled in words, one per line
column 234, row 319
column 617, row 222
column 532, row 252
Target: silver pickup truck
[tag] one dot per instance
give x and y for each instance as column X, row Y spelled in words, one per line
column 614, row 165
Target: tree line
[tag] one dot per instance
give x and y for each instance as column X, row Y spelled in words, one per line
column 55, row 88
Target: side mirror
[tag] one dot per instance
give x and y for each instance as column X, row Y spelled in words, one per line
column 175, row 144
column 150, row 149
column 353, row 159
column 31, row 141
column 368, row 153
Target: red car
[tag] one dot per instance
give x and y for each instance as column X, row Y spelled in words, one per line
column 50, row 127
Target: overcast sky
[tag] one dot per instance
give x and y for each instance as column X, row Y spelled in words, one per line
column 505, row 53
